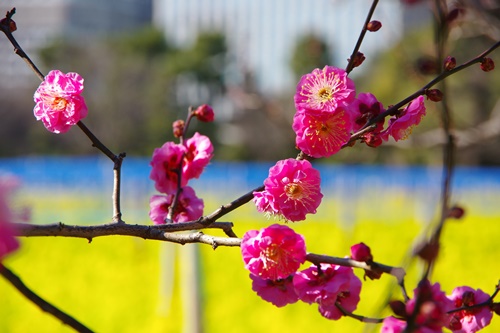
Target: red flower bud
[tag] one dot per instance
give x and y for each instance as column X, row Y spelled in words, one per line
column 361, row 252
column 178, row 128
column 434, row 95
column 454, row 14
column 399, row 308
column 496, row 308
column 428, row 251
column 449, row 63
column 205, row 113
column 456, row 212
column 358, row 59
column 373, row 26
column 10, row 22
column 487, row 64
column 427, row 66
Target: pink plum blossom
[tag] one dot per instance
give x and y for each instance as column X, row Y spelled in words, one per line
column 327, row 286
column 59, row 104
column 393, row 325
column 470, row 320
column 324, row 90
column 279, row 292
column 8, row 243
column 322, row 134
column 189, row 207
column 199, row 151
column 292, row 190
column 402, row 125
column 165, row 167
column 365, row 108
column 434, row 304
column 274, row 252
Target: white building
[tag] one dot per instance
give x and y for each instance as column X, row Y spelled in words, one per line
column 262, row 33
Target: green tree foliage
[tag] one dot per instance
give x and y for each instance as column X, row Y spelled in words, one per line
column 310, row 52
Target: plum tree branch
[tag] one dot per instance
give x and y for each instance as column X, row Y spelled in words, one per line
column 40, row 302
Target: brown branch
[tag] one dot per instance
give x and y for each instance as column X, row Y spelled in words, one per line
column 40, row 302
column 156, row 232
column 352, row 59
column 394, row 109
column 398, row 272
column 5, row 26
column 358, row 317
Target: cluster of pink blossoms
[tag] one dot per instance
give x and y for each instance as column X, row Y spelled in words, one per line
column 438, row 311
column 328, row 112
column 273, row 256
column 292, row 190
column 59, row 104
column 173, row 165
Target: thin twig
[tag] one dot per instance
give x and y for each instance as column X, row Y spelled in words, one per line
column 398, row 272
column 352, row 59
column 40, row 302
column 358, row 317
column 5, row 26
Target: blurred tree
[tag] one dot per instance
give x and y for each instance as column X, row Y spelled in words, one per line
column 136, row 85
column 310, row 52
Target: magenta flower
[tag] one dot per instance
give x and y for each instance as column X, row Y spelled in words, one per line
column 322, row 134
column 327, row 286
column 393, row 325
column 189, row 207
column 166, row 162
column 8, row 243
column 274, row 252
column 470, row 320
column 279, row 292
column 59, row 104
column 402, row 125
column 324, row 90
column 432, row 315
column 365, row 108
column 292, row 190
column 198, row 154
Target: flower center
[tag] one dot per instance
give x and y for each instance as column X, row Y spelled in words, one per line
column 59, row 103
column 294, row 190
column 325, row 94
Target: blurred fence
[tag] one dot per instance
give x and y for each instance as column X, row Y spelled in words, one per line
column 352, row 192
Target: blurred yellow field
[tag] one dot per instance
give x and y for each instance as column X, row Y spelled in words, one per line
column 122, row 284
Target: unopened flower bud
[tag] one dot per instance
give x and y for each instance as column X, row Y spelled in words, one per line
column 178, row 128
column 361, row 252
column 456, row 212
column 428, row 251
column 427, row 66
column 496, row 308
column 449, row 63
column 358, row 59
column 454, row 14
column 205, row 113
column 373, row 26
column 12, row 25
column 487, row 64
column 434, row 95
column 399, row 308
column 372, row 140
